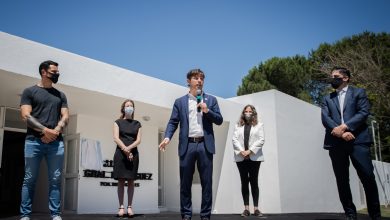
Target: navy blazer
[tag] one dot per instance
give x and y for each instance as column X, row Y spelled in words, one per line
column 180, row 116
column 355, row 113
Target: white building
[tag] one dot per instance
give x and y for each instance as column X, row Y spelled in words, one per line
column 296, row 176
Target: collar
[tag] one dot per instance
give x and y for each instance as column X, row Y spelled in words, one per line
column 194, row 97
column 343, row 89
column 191, row 96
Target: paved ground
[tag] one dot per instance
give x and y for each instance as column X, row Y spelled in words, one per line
column 173, row 216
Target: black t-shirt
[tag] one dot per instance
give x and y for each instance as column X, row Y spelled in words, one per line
column 46, row 106
column 247, row 131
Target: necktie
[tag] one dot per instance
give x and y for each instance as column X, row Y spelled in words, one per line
column 341, row 102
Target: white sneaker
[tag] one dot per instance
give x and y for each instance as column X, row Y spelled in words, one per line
column 54, row 218
column 25, row 218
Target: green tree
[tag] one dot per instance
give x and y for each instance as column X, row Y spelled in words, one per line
column 255, row 81
column 288, row 75
column 367, row 55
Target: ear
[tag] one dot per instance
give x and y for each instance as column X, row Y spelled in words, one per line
column 188, row 82
column 43, row 73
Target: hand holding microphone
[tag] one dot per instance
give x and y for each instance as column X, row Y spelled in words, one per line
column 198, row 98
column 201, row 105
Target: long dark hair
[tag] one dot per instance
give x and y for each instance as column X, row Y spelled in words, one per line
column 254, row 116
column 122, row 116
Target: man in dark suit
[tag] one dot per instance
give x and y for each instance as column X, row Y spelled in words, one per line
column 195, row 112
column 344, row 115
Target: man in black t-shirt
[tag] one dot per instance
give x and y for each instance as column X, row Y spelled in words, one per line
column 45, row 110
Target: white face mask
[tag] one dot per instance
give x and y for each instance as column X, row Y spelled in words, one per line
column 129, row 110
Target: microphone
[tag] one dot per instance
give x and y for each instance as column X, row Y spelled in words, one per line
column 198, row 97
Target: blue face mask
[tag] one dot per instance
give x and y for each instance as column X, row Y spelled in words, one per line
column 129, row 110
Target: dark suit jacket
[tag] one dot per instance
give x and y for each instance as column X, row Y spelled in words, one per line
column 180, row 116
column 355, row 113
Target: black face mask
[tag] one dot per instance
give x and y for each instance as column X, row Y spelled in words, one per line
column 54, row 78
column 336, row 82
column 248, row 117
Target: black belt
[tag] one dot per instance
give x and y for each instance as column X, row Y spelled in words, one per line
column 195, row 139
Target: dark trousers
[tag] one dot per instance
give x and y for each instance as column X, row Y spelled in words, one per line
column 196, row 154
column 361, row 160
column 249, row 172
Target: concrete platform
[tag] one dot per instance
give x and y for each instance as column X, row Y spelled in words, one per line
column 169, row 216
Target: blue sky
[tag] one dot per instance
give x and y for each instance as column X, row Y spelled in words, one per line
column 166, row 38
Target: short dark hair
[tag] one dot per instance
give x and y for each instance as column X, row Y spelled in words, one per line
column 342, row 70
column 195, row 72
column 45, row 65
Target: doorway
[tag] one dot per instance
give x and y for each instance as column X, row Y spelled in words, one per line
column 11, row 172
column 12, row 137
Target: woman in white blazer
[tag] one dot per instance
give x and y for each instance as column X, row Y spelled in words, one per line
column 248, row 140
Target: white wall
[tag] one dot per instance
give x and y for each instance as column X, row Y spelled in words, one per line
column 306, row 176
column 94, row 198
column 171, row 175
column 226, row 196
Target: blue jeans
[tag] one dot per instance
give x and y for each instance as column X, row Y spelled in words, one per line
column 34, row 151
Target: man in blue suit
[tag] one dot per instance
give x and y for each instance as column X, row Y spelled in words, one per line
column 195, row 112
column 344, row 115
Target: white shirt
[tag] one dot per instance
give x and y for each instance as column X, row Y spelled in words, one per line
column 194, row 117
column 341, row 95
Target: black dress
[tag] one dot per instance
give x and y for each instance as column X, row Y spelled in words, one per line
column 123, row 167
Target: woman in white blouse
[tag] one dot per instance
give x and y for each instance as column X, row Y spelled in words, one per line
column 248, row 140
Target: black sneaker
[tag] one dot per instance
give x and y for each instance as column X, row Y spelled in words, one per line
column 245, row 213
column 258, row 213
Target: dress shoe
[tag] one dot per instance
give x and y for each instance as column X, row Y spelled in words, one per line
column 257, row 213
column 351, row 217
column 204, row 218
column 245, row 213
column 130, row 212
column 186, row 218
column 121, row 212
